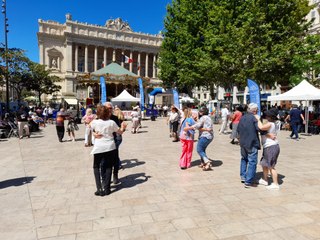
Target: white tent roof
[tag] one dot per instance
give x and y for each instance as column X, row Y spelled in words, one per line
column 125, row 97
column 304, row 91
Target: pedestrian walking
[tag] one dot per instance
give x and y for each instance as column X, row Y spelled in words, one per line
column 249, row 145
column 87, row 119
column 235, row 119
column 295, row 117
column 224, row 119
column 61, row 116
column 23, row 118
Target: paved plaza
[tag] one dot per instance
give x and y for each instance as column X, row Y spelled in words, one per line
column 47, row 191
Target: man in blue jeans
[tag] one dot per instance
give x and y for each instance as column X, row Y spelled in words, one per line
column 295, row 116
column 249, row 145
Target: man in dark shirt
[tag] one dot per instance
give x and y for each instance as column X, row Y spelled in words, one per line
column 295, row 116
column 22, row 117
column 118, row 140
column 249, row 145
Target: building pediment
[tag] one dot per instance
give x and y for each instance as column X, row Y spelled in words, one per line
column 118, row 24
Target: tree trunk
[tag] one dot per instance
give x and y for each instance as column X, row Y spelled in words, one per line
column 39, row 95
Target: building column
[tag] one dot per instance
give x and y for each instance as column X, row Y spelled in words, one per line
column 76, row 56
column 86, row 59
column 157, row 71
column 146, row 65
column 104, row 57
column 95, row 58
column 130, row 64
column 41, row 58
column 69, row 56
column 122, row 62
column 154, row 66
column 139, row 63
column 114, row 55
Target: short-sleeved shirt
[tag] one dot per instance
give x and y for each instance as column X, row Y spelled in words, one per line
column 61, row 116
column 295, row 115
column 106, row 128
column 205, row 122
column 236, row 117
column 249, row 132
column 187, row 135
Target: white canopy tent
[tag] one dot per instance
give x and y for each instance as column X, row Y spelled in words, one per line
column 125, row 97
column 304, row 91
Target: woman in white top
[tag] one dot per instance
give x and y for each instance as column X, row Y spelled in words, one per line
column 104, row 150
column 271, row 149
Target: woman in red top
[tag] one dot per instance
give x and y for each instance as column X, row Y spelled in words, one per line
column 235, row 119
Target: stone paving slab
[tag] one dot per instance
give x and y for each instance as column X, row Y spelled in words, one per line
column 46, row 191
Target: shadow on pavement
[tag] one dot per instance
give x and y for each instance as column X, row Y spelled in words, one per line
column 16, row 182
column 215, row 163
column 130, row 163
column 280, row 177
column 131, row 181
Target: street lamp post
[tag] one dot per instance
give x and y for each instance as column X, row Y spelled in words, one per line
column 4, row 11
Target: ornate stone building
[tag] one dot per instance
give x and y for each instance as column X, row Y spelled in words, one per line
column 73, row 48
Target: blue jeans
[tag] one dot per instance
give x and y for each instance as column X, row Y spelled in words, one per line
column 248, row 165
column 202, row 145
column 294, row 127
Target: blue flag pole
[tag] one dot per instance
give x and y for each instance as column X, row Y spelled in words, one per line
column 103, row 90
column 254, row 93
column 141, row 94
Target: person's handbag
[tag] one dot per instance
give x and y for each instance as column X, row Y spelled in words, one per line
column 230, row 125
column 76, row 127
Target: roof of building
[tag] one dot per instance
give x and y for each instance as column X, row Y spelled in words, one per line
column 113, row 69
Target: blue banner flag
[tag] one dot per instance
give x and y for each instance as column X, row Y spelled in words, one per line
column 176, row 98
column 141, row 94
column 103, row 90
column 254, row 93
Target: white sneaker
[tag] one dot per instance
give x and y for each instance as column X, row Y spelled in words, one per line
column 273, row 187
column 263, row 182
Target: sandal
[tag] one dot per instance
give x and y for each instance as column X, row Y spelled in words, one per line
column 201, row 165
column 207, row 166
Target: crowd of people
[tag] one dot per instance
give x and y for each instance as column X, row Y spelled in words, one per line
column 105, row 125
column 249, row 130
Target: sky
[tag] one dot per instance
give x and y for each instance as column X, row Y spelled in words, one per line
column 145, row 16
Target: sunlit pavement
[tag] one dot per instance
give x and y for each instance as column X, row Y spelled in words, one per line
column 47, row 191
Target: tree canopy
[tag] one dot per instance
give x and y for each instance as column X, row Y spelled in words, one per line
column 23, row 74
column 227, row 41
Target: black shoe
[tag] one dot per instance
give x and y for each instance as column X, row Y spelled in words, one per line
column 115, row 179
column 99, row 192
column 106, row 192
column 183, row 168
column 232, row 142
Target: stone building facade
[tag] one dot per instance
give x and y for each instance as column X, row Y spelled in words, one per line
column 73, row 48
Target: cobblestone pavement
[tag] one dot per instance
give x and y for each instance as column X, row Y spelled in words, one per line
column 46, row 191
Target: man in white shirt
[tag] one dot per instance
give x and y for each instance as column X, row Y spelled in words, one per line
column 224, row 119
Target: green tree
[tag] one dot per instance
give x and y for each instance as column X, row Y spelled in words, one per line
column 17, row 69
column 40, row 80
column 227, row 41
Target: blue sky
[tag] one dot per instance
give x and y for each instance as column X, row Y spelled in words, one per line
column 145, row 16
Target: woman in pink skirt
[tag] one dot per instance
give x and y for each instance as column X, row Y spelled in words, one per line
column 187, row 139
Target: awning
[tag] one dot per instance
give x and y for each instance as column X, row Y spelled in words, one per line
column 71, row 101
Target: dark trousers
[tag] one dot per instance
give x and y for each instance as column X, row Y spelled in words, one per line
column 118, row 141
column 102, row 168
column 294, row 127
column 60, row 132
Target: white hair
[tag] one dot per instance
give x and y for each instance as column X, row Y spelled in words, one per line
column 252, row 107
